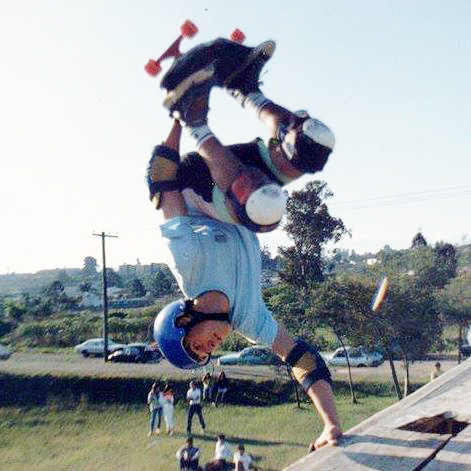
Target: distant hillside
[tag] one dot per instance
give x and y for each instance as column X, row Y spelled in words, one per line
column 17, row 283
column 343, row 261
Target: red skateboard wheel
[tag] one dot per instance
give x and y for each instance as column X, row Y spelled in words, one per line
column 238, row 36
column 188, row 29
column 152, row 67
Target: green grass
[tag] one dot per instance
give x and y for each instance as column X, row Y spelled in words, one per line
column 115, row 438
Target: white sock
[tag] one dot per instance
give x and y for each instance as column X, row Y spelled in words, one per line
column 255, row 102
column 200, row 134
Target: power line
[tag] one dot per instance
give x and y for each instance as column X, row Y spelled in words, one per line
column 405, row 198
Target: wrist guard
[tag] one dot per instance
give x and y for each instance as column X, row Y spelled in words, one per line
column 307, row 365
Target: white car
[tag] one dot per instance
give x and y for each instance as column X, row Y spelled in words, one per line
column 358, row 356
column 4, row 353
column 250, row 356
column 97, row 347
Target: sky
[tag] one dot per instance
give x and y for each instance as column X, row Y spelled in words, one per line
column 79, row 117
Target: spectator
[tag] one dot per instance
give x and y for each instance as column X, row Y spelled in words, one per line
column 222, row 454
column 188, row 456
column 207, row 387
column 242, row 460
column 154, row 401
column 222, row 385
column 193, row 397
column 436, row 371
column 168, row 400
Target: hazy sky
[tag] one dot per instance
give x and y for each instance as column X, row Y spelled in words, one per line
column 79, row 116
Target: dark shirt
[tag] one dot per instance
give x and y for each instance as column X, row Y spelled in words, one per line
column 194, row 173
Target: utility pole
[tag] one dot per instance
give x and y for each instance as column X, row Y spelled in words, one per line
column 105, row 294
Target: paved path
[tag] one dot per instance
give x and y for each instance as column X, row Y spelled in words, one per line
column 71, row 363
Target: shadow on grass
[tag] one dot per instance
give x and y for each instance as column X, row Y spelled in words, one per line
column 212, row 437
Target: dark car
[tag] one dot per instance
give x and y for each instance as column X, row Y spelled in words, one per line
column 466, row 350
column 136, row 353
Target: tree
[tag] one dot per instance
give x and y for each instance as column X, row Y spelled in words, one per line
column 161, row 284
column 289, row 308
column 410, row 321
column 341, row 306
column 455, row 305
column 268, row 263
column 89, row 267
column 310, row 226
column 53, row 298
column 85, row 287
column 15, row 310
column 113, row 278
column 446, row 259
column 136, row 288
column 418, row 241
column 433, row 267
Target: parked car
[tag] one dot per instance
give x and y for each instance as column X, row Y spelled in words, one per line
column 250, row 356
column 357, row 356
column 136, row 353
column 96, row 347
column 4, row 352
column 466, row 350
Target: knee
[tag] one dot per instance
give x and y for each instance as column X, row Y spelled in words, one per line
column 257, row 202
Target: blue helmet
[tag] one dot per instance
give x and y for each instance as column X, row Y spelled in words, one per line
column 169, row 336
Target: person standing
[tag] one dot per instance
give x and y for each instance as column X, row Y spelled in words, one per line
column 168, row 400
column 193, row 397
column 436, row 371
column 207, row 387
column 154, row 401
column 222, row 385
column 222, row 455
column 188, row 456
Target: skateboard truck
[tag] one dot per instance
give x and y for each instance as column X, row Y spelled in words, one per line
column 187, row 30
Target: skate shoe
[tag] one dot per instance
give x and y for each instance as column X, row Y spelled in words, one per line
column 189, row 100
column 246, row 78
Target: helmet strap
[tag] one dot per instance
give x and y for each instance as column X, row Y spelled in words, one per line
column 197, row 317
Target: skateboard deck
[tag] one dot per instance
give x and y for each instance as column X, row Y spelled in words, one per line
column 187, row 30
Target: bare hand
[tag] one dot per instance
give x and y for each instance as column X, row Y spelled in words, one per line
column 328, row 437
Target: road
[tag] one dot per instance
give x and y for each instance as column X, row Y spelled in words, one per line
column 73, row 364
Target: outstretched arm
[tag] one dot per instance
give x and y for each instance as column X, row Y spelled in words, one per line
column 171, row 202
column 320, row 391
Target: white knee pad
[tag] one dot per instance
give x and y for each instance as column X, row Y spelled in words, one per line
column 266, row 205
column 257, row 201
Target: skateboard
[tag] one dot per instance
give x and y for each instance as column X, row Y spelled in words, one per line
column 187, row 30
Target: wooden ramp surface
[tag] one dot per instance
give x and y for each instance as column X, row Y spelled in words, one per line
column 425, row 431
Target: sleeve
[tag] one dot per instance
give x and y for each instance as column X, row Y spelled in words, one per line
column 180, row 258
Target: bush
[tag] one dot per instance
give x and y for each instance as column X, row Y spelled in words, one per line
column 71, row 391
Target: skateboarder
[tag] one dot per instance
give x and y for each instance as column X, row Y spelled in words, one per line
column 240, row 183
column 217, row 264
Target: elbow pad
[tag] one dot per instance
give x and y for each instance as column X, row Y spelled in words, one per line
column 307, row 365
column 162, row 172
